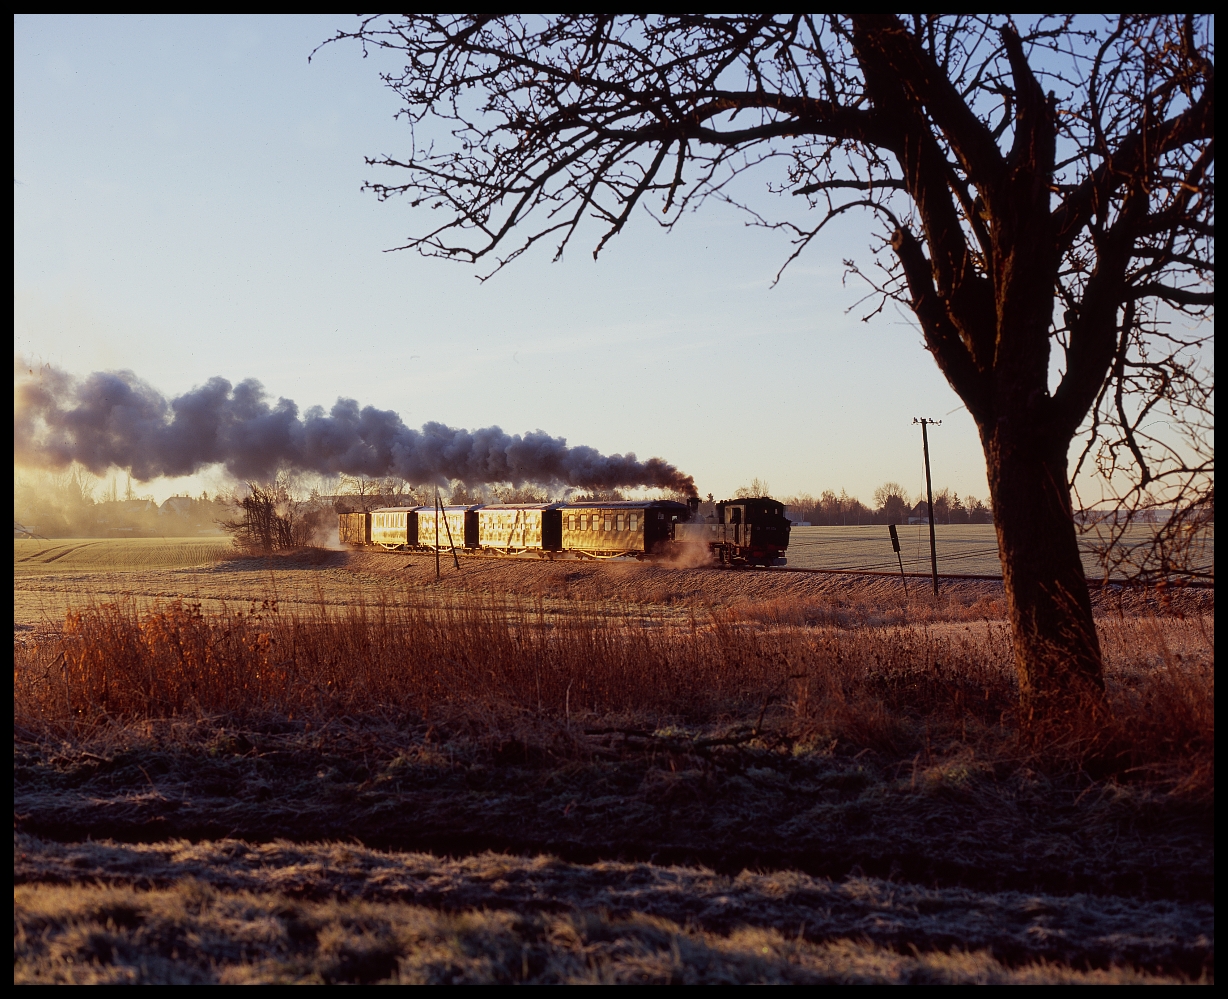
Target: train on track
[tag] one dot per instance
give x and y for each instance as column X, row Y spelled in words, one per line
column 740, row 532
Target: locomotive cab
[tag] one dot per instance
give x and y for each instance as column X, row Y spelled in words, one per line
column 756, row 531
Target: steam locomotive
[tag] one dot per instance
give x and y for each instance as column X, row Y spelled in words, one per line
column 739, row 532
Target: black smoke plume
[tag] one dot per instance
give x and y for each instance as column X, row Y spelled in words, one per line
column 113, row 419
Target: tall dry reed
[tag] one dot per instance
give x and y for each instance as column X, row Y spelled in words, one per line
column 897, row 690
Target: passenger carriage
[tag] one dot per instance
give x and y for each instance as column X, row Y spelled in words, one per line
column 458, row 527
column 393, row 527
column 602, row 530
column 511, row 528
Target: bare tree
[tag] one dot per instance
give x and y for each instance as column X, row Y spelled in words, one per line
column 363, row 490
column 272, row 519
column 802, row 506
column 396, row 491
column 756, row 489
column 1034, row 183
column 891, row 500
column 978, row 512
column 599, row 496
column 521, row 494
column 460, row 495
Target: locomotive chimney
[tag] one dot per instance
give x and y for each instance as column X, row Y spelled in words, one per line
column 692, row 505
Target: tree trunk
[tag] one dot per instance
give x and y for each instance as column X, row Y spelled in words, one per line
column 1057, row 651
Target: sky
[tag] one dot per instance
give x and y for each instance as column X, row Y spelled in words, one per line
column 188, row 204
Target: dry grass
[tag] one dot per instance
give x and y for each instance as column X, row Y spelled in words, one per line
column 1017, row 928
column 774, row 734
column 936, row 690
column 194, row 933
column 720, row 740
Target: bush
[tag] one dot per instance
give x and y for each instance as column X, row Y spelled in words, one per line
column 273, row 520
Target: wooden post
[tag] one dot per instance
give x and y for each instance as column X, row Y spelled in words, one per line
column 447, row 527
column 436, row 532
column 929, row 496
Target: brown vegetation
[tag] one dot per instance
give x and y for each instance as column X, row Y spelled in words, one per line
column 895, row 690
column 760, row 734
column 603, row 714
column 273, row 520
column 231, row 912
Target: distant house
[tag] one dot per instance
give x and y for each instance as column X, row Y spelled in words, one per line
column 919, row 514
column 794, row 515
column 177, row 505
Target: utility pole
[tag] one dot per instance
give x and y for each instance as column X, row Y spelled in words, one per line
column 929, row 494
column 437, row 532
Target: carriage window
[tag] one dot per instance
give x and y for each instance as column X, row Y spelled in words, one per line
column 618, row 522
column 634, row 525
column 571, row 522
column 606, row 525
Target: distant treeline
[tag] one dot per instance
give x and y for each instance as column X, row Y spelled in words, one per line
column 75, row 504
column 68, row 505
column 892, row 505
